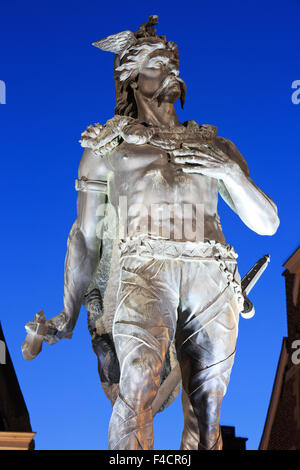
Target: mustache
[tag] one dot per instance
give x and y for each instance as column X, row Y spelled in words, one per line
column 161, row 91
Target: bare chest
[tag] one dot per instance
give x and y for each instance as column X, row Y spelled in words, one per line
column 145, row 171
column 129, row 158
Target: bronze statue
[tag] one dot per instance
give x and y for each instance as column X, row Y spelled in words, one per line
column 147, row 255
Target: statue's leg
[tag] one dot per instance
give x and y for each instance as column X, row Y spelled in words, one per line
column 144, row 326
column 190, row 433
column 206, row 340
column 108, row 364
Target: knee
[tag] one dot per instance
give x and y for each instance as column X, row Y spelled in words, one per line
column 143, row 367
column 140, row 377
column 207, row 398
column 214, row 390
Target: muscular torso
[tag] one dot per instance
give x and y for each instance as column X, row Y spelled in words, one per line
column 153, row 197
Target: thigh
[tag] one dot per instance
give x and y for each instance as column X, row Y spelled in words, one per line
column 208, row 322
column 146, row 306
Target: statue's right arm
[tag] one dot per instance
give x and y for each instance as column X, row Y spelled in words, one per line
column 84, row 241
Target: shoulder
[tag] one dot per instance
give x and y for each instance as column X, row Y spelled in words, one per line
column 101, row 139
column 208, row 133
column 91, row 167
column 232, row 151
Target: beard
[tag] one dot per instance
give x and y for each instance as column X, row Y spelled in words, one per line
column 170, row 89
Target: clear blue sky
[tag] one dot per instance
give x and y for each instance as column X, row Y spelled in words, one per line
column 239, row 60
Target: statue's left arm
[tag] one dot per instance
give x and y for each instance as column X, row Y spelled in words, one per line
column 224, row 162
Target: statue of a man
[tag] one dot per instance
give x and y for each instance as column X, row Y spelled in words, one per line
column 174, row 281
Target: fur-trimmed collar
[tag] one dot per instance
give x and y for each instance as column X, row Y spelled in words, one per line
column 102, row 139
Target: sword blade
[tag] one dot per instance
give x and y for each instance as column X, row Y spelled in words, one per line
column 252, row 276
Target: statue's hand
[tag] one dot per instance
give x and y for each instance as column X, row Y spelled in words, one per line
column 40, row 330
column 206, row 160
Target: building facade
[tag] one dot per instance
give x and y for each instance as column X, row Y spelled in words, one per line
column 15, row 427
column 282, row 426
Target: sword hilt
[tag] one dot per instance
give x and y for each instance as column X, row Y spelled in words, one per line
column 36, row 332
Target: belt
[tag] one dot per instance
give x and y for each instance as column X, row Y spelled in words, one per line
column 146, row 247
column 208, row 250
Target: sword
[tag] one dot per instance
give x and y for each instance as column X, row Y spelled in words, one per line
column 249, row 281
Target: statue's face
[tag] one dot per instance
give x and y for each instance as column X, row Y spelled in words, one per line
column 158, row 77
